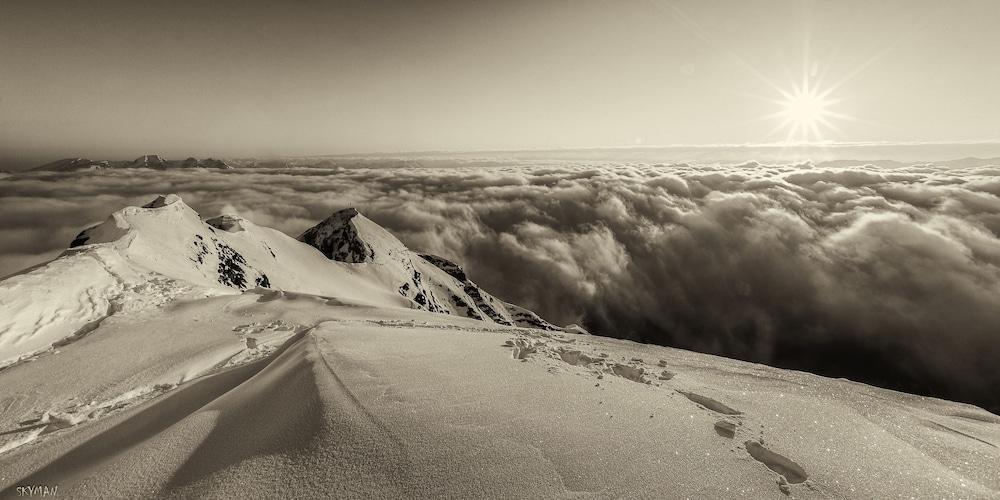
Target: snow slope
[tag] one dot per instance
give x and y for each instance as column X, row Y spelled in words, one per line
column 355, row 401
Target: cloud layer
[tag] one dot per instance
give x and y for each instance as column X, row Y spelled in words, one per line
column 884, row 275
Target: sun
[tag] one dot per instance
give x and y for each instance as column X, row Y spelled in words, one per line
column 806, row 113
column 805, row 109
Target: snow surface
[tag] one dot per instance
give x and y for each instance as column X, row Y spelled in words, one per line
column 333, row 383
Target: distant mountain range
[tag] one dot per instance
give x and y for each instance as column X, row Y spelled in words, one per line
column 144, row 161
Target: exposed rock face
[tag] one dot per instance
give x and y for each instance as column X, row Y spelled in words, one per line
column 347, row 236
column 148, row 161
column 213, row 163
column 433, row 283
column 231, row 266
column 485, row 304
column 482, row 303
column 228, row 223
column 203, row 163
column 337, row 237
column 453, row 269
column 161, row 201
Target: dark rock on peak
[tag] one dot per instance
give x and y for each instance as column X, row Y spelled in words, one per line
column 159, row 202
column 453, row 269
column 193, row 162
column 228, row 223
column 338, row 238
column 213, row 163
column 345, row 214
column 80, row 240
column 232, row 267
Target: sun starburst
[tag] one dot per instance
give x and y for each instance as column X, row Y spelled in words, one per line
column 806, row 113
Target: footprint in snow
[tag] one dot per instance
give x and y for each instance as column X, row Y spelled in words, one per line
column 711, row 404
column 521, row 348
column 577, row 358
column 790, row 471
column 633, row 373
column 725, row 429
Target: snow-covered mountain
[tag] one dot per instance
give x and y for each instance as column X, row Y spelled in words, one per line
column 433, row 283
column 166, row 355
column 144, row 255
column 144, row 161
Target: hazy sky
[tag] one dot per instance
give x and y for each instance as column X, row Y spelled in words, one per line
column 118, row 79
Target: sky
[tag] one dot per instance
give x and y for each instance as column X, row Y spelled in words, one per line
column 116, row 79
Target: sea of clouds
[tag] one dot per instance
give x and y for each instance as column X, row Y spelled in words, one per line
column 884, row 275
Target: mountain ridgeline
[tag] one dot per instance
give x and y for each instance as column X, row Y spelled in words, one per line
column 433, row 283
column 164, row 249
column 145, row 161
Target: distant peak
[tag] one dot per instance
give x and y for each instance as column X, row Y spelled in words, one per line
column 148, row 161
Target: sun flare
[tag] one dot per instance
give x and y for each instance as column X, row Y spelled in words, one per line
column 805, row 114
column 805, row 108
